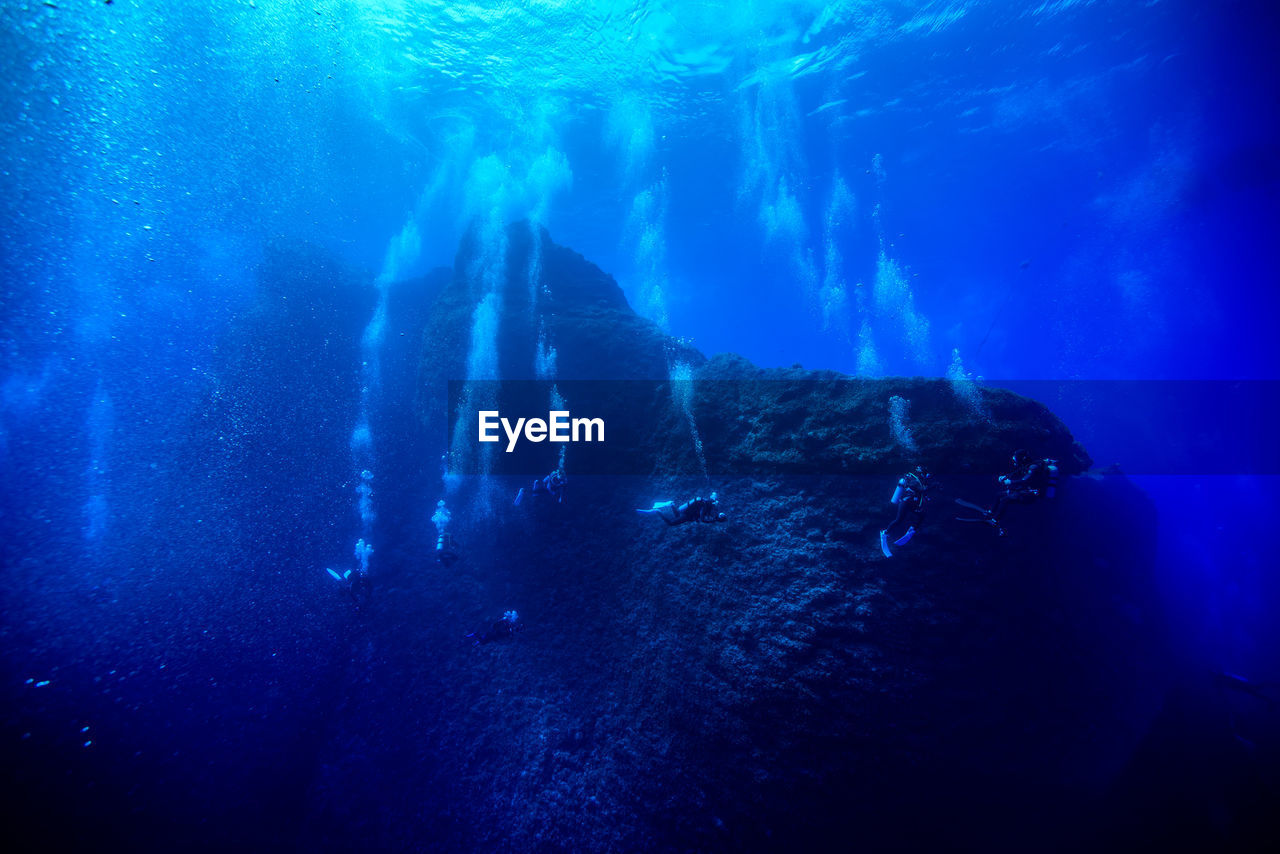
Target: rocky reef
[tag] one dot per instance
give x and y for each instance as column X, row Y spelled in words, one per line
column 773, row 680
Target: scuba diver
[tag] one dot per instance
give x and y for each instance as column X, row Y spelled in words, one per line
column 355, row 582
column 503, row 629
column 909, row 496
column 693, row 510
column 552, row 485
column 445, row 551
column 1029, row 481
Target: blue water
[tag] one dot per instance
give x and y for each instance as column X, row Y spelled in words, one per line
column 1066, row 190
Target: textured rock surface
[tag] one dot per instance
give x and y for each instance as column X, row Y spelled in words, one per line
column 755, row 685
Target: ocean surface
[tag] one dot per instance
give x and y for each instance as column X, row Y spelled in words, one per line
column 232, row 236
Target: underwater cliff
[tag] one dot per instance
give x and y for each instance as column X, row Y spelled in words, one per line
column 694, row 686
column 770, row 681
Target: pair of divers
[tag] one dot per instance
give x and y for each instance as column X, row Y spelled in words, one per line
column 504, row 629
column 1029, row 481
column 697, row 509
column 551, row 486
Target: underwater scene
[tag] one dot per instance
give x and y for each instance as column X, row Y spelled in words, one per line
column 639, row 425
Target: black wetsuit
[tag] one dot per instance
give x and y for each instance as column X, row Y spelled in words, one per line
column 504, row 629
column 695, row 510
column 910, row 502
column 552, row 485
column 1023, row 486
column 360, row 587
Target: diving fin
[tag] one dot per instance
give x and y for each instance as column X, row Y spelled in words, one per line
column 984, row 511
column 335, row 575
column 884, row 544
column 986, row 520
column 905, row 538
column 519, row 496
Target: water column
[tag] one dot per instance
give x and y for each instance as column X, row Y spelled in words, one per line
column 486, row 275
column 646, row 232
column 775, row 174
column 837, row 312
column 492, row 195
column 98, row 424
column 891, row 294
column 647, row 227
column 402, row 253
column 681, row 374
column 548, row 175
column 965, row 386
column 630, row 132
column 544, row 359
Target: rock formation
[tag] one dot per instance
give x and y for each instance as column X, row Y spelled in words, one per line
column 764, row 683
column 775, row 679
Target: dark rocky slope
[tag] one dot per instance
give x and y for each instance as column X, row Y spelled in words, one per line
column 756, row 685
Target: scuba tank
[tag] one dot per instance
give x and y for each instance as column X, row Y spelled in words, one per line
column 909, row 485
column 1051, row 480
column 445, row 552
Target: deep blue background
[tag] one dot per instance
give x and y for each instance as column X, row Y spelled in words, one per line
column 1074, row 191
